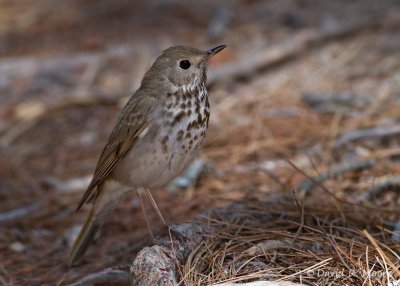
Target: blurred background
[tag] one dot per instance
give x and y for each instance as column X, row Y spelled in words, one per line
column 295, row 77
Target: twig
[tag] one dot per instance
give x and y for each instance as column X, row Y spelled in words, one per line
column 386, row 183
column 107, row 276
column 19, row 213
column 355, row 135
column 342, row 168
column 344, row 102
column 282, row 53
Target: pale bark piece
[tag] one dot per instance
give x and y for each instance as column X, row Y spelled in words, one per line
column 157, row 265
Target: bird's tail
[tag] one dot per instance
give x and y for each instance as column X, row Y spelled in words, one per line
column 86, row 235
column 105, row 202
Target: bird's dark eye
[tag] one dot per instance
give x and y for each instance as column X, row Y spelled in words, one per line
column 184, row 64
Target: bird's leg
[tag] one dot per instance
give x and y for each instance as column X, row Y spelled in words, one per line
column 144, row 210
column 153, row 202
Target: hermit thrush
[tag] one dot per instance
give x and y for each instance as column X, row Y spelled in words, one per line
column 158, row 133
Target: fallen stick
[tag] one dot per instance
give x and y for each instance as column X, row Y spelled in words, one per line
column 356, row 135
column 248, row 66
column 381, row 185
column 345, row 167
column 19, row 213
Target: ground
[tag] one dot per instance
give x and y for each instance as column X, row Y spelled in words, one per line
column 296, row 82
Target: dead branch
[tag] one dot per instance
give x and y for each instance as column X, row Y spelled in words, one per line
column 356, row 135
column 19, row 213
column 282, row 53
column 344, row 102
column 345, row 167
column 381, row 185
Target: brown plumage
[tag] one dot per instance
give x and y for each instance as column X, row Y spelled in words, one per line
column 159, row 132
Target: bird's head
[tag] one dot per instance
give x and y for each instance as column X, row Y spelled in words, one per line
column 182, row 66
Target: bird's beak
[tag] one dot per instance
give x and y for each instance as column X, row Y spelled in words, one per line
column 212, row 52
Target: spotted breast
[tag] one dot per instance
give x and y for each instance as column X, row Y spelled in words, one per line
column 171, row 143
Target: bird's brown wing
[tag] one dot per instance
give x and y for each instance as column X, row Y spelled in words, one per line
column 134, row 119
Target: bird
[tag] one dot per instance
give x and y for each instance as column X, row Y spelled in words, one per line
column 157, row 135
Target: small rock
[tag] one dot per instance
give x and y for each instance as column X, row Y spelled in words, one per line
column 17, row 247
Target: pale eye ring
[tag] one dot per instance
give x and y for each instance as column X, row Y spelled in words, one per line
column 184, row 64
